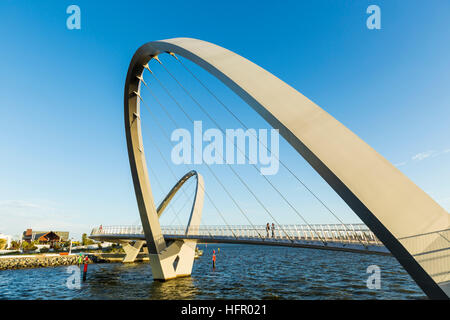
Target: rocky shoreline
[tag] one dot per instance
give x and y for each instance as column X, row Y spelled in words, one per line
column 43, row 261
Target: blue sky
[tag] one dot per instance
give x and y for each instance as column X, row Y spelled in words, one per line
column 63, row 149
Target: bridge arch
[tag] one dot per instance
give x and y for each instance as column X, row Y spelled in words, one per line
column 408, row 221
column 197, row 205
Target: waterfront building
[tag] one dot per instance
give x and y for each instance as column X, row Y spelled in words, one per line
column 45, row 237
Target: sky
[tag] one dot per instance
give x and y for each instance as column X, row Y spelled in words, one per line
column 63, row 157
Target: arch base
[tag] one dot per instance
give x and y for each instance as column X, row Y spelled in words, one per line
column 132, row 251
column 175, row 261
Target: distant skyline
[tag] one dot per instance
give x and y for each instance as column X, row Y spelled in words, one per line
column 63, row 150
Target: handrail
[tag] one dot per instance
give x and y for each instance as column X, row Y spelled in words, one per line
column 350, row 233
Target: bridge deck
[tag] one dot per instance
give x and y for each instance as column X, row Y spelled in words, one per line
column 350, row 238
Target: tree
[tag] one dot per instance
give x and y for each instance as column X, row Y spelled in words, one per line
column 85, row 240
column 2, row 244
column 15, row 245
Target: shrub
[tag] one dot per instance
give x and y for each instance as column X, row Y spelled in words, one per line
column 28, row 246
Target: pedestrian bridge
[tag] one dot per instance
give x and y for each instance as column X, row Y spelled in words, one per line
column 348, row 237
column 404, row 218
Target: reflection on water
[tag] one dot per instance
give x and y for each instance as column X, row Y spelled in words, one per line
column 242, row 272
column 132, row 281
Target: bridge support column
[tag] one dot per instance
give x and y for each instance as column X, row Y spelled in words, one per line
column 174, row 261
column 132, row 251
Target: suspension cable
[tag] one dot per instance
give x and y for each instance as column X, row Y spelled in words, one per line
column 265, row 146
column 182, row 207
column 235, row 173
column 210, row 170
column 171, row 142
column 162, row 190
column 161, row 154
column 243, row 153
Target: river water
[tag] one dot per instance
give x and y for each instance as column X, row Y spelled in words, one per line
column 242, row 272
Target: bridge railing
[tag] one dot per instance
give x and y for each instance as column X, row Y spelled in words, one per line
column 348, row 233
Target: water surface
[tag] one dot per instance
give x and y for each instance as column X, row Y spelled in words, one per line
column 242, row 272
